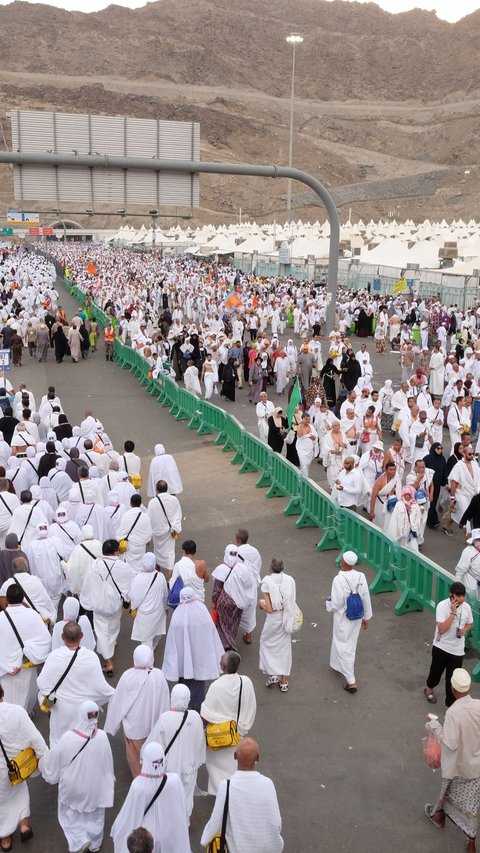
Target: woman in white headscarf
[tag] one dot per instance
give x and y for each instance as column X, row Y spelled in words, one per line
column 163, row 467
column 276, row 637
column 82, row 764
column 71, row 610
column 64, row 533
column 139, row 699
column 165, row 817
column 385, row 397
column 148, row 599
column 48, row 493
column 292, row 355
column 184, row 752
column 44, row 562
column 192, row 647
column 234, row 588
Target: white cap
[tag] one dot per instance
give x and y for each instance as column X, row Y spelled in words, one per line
column 474, row 535
column 461, row 680
column 350, row 558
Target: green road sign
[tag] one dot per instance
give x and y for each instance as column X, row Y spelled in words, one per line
column 6, row 232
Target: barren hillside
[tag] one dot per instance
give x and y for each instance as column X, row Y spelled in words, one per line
column 387, row 109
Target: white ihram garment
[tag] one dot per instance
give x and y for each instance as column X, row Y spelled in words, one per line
column 220, row 705
column 187, row 754
column 136, row 525
column 148, row 596
column 20, row 689
column 162, row 522
column 17, row 732
column 346, row 631
column 84, row 681
column 85, row 785
column 276, row 637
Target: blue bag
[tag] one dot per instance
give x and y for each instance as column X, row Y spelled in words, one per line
column 173, row 599
column 354, row 604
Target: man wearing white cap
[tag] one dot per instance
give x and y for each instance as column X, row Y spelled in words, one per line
column 163, row 467
column 453, row 619
column 459, row 797
column 350, row 604
column 467, row 570
column 82, row 765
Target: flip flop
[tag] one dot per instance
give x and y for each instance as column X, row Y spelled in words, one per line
column 6, row 848
column 349, row 688
column 428, row 811
column 430, row 696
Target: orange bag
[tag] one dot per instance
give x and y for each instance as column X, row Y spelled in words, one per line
column 432, row 750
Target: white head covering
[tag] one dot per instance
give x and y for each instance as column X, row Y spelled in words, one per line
column 180, row 698
column 30, row 452
column 36, row 492
column 93, row 472
column 76, row 431
column 41, row 447
column 122, row 475
column 87, row 718
column 87, row 532
column 230, row 556
column 187, row 595
column 149, row 562
column 143, row 657
column 461, row 680
column 42, row 530
column 159, row 449
column 71, row 608
column 60, row 516
column 153, row 757
column 474, row 535
column 350, row 558
column 60, row 464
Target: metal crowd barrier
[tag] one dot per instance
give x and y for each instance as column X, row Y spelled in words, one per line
column 421, row 582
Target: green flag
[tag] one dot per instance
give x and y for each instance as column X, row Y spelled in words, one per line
column 295, row 399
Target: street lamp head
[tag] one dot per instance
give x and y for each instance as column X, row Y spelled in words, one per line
column 294, row 38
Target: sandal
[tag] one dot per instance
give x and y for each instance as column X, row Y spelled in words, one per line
column 429, row 813
column 273, row 679
column 108, row 672
column 430, row 696
column 2, row 847
column 447, row 531
column 283, row 686
column 350, row 688
column 26, row 834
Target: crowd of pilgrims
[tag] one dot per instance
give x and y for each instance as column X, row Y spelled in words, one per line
column 76, row 537
column 382, row 449
column 75, row 558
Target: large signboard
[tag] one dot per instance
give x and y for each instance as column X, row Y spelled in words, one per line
column 64, row 133
column 21, row 218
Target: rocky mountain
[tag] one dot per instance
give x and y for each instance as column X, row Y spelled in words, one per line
column 387, row 106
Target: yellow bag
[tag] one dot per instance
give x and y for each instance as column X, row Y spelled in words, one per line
column 133, row 613
column 22, row 766
column 222, row 735
column 136, row 480
column 47, row 704
column 27, row 664
column 123, row 545
column 215, row 845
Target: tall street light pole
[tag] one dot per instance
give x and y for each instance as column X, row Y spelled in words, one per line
column 293, row 39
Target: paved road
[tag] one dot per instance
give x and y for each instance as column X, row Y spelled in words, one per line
column 348, row 769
